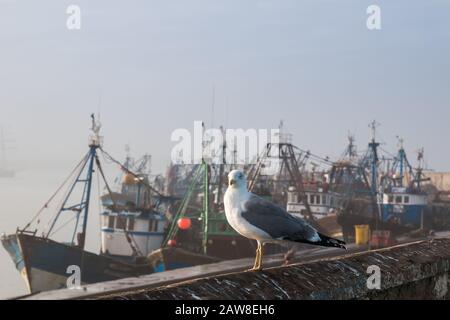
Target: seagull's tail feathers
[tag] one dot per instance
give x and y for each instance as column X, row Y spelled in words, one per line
column 326, row 241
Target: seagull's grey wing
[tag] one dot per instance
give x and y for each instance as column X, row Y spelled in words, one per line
column 276, row 221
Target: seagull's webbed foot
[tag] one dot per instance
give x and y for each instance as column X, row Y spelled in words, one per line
column 255, row 269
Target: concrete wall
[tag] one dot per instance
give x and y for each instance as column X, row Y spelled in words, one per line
column 414, row 271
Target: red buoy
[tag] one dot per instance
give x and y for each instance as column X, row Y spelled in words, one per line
column 184, row 223
column 172, row 243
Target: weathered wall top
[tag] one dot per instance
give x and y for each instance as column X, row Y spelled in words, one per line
column 418, row 271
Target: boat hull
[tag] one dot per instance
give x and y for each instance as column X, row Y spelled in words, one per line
column 46, row 265
column 404, row 215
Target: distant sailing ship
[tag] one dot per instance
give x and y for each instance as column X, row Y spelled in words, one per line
column 5, row 172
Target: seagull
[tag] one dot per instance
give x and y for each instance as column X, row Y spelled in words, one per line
column 256, row 218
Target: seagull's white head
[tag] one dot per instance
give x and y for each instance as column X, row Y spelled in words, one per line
column 237, row 180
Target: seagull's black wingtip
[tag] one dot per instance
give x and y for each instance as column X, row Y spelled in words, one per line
column 331, row 242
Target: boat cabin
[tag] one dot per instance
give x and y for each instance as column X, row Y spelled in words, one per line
column 145, row 230
column 403, row 206
column 320, row 201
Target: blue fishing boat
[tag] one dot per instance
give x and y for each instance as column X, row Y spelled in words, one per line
column 404, row 206
column 46, row 264
column 403, row 201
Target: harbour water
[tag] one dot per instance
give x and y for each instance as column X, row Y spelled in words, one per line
column 20, row 198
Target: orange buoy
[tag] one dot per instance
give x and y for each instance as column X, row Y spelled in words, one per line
column 184, row 223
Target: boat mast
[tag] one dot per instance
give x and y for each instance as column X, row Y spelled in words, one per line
column 373, row 149
column 351, row 152
column 420, row 168
column 83, row 205
column 221, row 169
column 373, row 156
column 206, row 208
column 402, row 162
column 94, row 143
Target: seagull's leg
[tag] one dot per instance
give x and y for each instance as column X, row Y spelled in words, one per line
column 261, row 255
column 258, row 253
column 257, row 258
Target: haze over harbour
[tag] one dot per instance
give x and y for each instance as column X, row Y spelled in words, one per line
column 150, row 68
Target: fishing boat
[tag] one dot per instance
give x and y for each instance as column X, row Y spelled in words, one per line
column 403, row 202
column 131, row 222
column 383, row 191
column 46, row 264
column 404, row 207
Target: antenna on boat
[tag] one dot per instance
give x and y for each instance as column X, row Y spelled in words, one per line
column 420, row 167
column 95, row 140
column 373, row 126
column 373, row 158
column 420, row 157
column 400, row 141
column 351, row 151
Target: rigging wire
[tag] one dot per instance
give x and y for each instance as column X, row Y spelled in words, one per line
column 62, row 226
column 325, row 160
column 107, row 155
column 45, row 206
column 66, row 196
column 388, row 153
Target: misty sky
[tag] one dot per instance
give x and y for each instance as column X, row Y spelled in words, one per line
column 154, row 63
